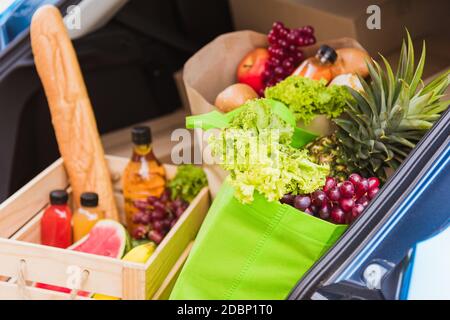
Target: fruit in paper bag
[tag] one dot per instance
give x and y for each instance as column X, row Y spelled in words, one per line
column 250, row 70
column 234, row 96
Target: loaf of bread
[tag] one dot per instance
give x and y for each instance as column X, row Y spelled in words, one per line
column 72, row 115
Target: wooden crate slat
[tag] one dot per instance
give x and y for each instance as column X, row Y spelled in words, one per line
column 50, row 265
column 166, row 288
column 168, row 252
column 32, row 198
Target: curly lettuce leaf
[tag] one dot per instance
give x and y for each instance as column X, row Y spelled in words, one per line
column 256, row 150
column 307, row 98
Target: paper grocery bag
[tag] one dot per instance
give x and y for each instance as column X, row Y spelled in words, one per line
column 213, row 68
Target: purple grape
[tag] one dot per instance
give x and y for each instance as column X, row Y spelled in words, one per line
column 373, row 183
column 334, row 194
column 139, row 232
column 372, row 193
column 165, row 197
column 152, row 199
column 356, row 212
column 138, row 217
column 158, row 214
column 364, row 201
column 362, row 187
column 279, row 70
column 346, row 204
column 155, row 236
column 179, row 211
column 159, row 205
column 302, row 202
column 354, row 178
column 319, row 198
column 141, row 205
column 337, row 215
column 330, row 183
column 288, row 199
column 324, row 212
column 158, row 225
column 301, row 41
column 347, row 189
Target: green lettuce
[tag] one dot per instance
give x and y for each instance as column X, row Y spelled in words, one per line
column 256, row 150
column 307, row 98
column 188, row 182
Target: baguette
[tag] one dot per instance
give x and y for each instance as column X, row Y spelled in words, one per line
column 72, row 115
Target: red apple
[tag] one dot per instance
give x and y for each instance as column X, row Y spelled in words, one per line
column 250, row 70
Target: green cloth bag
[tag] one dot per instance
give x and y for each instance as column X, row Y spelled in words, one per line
column 256, row 251
column 252, row 251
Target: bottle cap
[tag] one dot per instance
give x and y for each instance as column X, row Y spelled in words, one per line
column 89, row 199
column 58, row 197
column 141, row 135
column 326, row 54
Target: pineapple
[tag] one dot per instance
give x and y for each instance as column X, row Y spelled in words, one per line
column 325, row 150
column 382, row 124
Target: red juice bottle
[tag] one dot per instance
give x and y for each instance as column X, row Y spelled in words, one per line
column 56, row 227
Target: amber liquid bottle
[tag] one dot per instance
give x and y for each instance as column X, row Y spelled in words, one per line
column 144, row 175
column 320, row 66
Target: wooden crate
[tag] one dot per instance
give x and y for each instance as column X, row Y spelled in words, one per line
column 24, row 260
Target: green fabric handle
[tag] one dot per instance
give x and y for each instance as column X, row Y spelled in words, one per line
column 218, row 120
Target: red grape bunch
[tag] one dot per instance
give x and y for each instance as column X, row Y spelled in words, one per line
column 339, row 203
column 156, row 216
column 285, row 51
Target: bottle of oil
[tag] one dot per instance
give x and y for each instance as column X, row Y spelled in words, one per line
column 320, row 66
column 144, row 175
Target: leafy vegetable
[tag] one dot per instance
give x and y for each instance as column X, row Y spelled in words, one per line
column 256, row 150
column 307, row 98
column 188, row 182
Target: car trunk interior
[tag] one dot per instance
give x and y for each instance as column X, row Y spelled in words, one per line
column 130, row 68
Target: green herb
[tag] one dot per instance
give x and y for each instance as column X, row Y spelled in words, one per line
column 188, row 182
column 307, row 98
column 256, row 150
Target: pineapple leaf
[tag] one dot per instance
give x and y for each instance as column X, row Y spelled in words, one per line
column 401, row 63
column 414, row 125
column 383, row 87
column 395, row 118
column 440, row 81
column 376, row 84
column 418, row 103
column 398, row 152
column 391, row 83
column 402, row 141
column 410, row 60
column 360, row 101
column 419, row 71
column 437, row 107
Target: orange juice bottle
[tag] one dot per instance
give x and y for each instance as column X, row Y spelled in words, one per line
column 320, row 66
column 86, row 216
column 143, row 177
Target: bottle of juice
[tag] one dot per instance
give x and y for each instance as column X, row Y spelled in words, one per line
column 56, row 227
column 86, row 216
column 320, row 66
column 144, row 175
